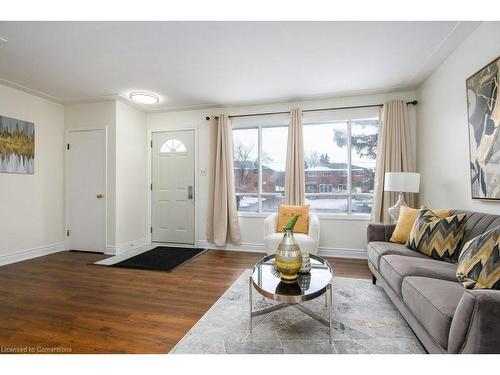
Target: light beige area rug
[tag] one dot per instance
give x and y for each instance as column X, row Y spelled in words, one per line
column 365, row 321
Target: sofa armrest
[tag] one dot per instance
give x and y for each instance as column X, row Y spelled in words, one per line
column 379, row 232
column 475, row 326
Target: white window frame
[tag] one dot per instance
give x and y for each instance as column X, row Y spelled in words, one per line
column 173, row 149
column 338, row 188
column 259, row 194
column 348, row 117
column 330, row 185
column 349, row 194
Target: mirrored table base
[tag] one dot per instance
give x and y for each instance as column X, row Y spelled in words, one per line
column 298, row 306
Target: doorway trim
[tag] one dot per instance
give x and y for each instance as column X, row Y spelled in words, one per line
column 66, row 187
column 149, row 179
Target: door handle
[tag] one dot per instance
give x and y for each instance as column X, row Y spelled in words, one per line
column 99, row 196
column 190, row 192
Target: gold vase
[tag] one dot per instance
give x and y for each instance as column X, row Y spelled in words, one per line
column 288, row 257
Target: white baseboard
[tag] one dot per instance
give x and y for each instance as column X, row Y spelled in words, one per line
column 31, row 253
column 245, row 247
column 342, row 253
column 259, row 248
column 118, row 249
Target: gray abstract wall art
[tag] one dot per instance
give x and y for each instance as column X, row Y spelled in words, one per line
column 484, row 131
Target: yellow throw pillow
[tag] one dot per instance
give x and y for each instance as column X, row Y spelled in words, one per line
column 406, row 220
column 479, row 263
column 287, row 212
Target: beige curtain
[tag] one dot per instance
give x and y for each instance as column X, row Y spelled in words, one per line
column 222, row 220
column 294, row 172
column 393, row 155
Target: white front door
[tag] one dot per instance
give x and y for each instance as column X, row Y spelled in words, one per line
column 86, row 188
column 173, row 187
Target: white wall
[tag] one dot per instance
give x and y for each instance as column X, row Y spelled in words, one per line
column 346, row 235
column 31, row 208
column 126, row 177
column 442, row 135
column 131, row 186
column 37, row 201
column 99, row 115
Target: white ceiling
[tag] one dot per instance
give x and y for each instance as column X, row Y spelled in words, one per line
column 202, row 64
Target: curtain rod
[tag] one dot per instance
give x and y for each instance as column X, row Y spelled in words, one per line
column 413, row 102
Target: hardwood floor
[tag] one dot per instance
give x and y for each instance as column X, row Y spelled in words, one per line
column 62, row 300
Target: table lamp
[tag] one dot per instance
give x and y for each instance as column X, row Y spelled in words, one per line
column 401, row 182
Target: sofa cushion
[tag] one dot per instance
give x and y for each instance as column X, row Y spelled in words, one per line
column 477, row 223
column 287, row 212
column 433, row 302
column 378, row 249
column 406, row 219
column 440, row 238
column 394, row 268
column 479, row 262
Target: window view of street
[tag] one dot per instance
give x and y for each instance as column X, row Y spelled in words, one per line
column 339, row 163
column 251, row 193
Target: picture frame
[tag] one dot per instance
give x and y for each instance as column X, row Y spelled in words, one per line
column 483, row 126
column 17, row 146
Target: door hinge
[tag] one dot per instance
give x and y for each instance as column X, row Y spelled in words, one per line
column 67, row 232
column 151, row 186
column 151, row 144
column 67, row 146
column 151, row 229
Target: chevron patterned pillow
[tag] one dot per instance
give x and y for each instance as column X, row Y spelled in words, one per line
column 439, row 238
column 479, row 261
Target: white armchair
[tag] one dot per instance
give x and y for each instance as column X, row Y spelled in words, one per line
column 307, row 242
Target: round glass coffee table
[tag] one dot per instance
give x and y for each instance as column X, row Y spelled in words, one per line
column 266, row 280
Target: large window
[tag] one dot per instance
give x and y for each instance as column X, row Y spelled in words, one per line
column 340, row 164
column 339, row 155
column 259, row 167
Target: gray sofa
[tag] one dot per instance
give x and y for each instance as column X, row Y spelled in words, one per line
column 445, row 317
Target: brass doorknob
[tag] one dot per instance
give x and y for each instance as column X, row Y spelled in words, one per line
column 99, row 196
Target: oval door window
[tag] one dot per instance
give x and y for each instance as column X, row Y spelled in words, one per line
column 173, row 145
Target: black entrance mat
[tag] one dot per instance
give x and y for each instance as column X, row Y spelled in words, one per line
column 161, row 258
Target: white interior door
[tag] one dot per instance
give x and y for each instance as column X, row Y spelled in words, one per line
column 86, row 188
column 173, row 187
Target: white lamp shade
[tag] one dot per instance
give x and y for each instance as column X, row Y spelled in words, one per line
column 405, row 182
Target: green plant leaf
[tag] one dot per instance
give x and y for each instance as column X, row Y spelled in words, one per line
column 291, row 223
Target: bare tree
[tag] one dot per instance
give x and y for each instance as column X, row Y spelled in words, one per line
column 265, row 159
column 242, row 153
column 242, row 158
column 312, row 159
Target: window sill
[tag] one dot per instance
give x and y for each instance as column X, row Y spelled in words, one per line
column 353, row 217
column 254, row 214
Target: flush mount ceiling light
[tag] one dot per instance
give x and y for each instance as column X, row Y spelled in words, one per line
column 144, row 97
